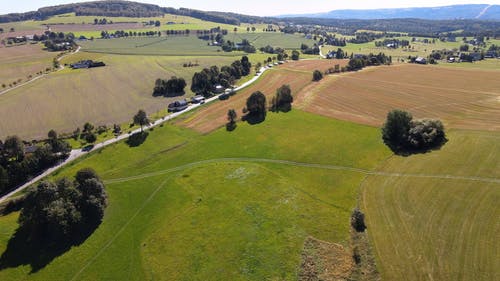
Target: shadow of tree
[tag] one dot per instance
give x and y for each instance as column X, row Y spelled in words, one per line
column 254, row 119
column 23, row 249
column 137, row 139
column 408, row 151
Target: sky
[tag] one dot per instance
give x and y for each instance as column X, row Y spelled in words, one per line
column 256, row 7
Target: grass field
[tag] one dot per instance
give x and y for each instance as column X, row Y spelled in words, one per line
column 462, row 98
column 438, row 229
column 22, row 61
column 240, row 220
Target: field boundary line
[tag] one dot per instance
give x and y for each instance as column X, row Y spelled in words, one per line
column 304, row 164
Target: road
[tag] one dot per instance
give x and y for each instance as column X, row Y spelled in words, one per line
column 77, row 153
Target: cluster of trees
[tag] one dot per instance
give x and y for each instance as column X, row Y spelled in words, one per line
column 205, row 81
column 17, row 165
column 272, row 50
column 404, row 135
column 314, row 50
column 54, row 212
column 360, row 61
column 102, row 21
column 169, row 88
column 365, row 37
column 334, row 41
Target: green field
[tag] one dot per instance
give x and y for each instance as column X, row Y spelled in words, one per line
column 237, row 219
column 426, row 228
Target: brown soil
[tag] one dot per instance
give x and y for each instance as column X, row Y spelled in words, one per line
column 462, row 98
column 325, row 261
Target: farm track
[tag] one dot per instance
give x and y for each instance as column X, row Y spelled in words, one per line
column 306, row 165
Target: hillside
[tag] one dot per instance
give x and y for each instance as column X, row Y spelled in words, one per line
column 471, row 11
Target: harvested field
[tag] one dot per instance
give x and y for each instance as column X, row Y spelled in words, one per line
column 67, row 99
column 438, row 229
column 311, row 65
column 214, row 116
column 468, row 99
column 21, row 61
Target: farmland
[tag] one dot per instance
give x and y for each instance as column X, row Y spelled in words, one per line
column 22, row 61
column 107, row 95
column 440, row 229
column 296, row 74
column 462, row 98
column 165, row 224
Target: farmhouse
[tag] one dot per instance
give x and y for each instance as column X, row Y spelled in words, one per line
column 219, row 89
column 87, row 64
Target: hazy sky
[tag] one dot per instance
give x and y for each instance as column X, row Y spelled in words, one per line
column 257, row 7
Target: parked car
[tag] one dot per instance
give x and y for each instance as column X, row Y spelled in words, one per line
column 198, row 99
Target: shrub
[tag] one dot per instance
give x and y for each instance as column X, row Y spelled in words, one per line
column 358, row 220
column 317, row 75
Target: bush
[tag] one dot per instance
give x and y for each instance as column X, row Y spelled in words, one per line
column 317, row 75
column 358, row 220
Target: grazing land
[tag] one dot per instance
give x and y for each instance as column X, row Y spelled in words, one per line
column 20, row 62
column 242, row 219
column 462, row 98
column 439, row 229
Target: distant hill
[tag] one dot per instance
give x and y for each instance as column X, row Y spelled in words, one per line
column 119, row 8
column 470, row 11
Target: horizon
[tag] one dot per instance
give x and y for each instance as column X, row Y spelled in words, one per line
column 270, row 9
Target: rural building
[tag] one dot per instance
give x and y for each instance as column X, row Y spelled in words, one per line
column 219, row 89
column 87, row 64
column 198, row 99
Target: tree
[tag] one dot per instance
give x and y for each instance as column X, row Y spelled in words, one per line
column 317, row 75
column 256, row 106
column 231, row 118
column 14, row 147
column 141, row 118
column 283, row 99
column 52, row 135
column 295, row 55
column 90, row 137
column 395, row 130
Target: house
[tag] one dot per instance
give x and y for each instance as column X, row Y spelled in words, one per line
column 490, row 54
column 87, row 64
column 177, row 106
column 476, row 56
column 420, row 60
column 392, row 45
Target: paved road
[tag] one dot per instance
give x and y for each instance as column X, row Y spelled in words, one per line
column 77, row 153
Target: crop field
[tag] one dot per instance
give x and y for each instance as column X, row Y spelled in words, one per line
column 214, row 115
column 426, row 228
column 22, row 61
column 172, row 46
column 462, row 98
column 274, row 39
column 173, row 217
column 112, row 94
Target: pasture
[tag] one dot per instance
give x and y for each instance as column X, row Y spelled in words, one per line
column 426, row 228
column 174, row 217
column 461, row 98
column 22, row 61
